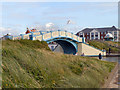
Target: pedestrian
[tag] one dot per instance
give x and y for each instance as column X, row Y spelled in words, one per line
column 100, row 56
column 82, row 54
column 109, row 50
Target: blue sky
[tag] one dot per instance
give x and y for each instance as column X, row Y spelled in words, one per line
column 16, row 16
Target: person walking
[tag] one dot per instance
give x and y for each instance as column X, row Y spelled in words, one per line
column 109, row 50
column 100, row 56
column 83, row 54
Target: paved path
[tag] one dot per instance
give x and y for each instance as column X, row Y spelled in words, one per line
column 114, row 82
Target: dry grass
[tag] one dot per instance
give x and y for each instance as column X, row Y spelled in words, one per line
column 36, row 67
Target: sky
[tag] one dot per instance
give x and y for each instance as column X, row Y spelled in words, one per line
column 17, row 16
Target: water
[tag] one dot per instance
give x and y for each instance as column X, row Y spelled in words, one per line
column 111, row 59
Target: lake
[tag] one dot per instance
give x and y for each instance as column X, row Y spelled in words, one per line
column 111, row 59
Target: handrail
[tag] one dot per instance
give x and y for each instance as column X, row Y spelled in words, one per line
column 52, row 34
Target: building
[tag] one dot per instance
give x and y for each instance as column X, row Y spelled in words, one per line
column 109, row 37
column 99, row 33
column 7, row 36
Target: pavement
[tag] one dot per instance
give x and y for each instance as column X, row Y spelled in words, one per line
column 112, row 80
column 115, row 81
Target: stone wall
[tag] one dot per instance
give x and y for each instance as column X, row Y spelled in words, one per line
column 89, row 50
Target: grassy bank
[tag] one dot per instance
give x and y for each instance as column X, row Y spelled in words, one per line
column 106, row 44
column 30, row 64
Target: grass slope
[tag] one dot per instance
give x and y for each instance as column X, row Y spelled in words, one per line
column 106, row 44
column 30, row 64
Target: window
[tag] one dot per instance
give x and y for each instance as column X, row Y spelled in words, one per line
column 81, row 33
column 110, row 32
column 101, row 32
column 96, row 36
column 115, row 33
column 92, row 33
column 101, row 37
column 115, row 37
column 87, row 37
column 87, row 33
column 92, row 38
column 96, row 33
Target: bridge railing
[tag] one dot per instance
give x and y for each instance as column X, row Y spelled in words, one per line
column 49, row 35
column 17, row 38
column 59, row 33
column 54, row 34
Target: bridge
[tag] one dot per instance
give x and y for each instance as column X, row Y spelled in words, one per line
column 67, row 42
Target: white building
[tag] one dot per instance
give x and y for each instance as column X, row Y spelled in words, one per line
column 99, row 33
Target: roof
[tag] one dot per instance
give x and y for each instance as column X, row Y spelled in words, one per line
column 87, row 30
column 118, row 29
column 109, row 35
column 33, row 30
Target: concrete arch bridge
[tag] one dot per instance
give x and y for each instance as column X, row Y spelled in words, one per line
column 63, row 41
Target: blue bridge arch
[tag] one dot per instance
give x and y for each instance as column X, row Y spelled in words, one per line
column 59, row 36
column 70, row 43
column 69, row 47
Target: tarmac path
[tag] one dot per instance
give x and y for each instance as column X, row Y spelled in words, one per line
column 115, row 81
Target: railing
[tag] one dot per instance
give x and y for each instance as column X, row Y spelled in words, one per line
column 17, row 38
column 49, row 35
column 57, row 34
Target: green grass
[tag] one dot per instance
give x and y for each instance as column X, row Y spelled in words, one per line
column 105, row 44
column 30, row 64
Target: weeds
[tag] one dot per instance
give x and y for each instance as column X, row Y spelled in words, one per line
column 31, row 64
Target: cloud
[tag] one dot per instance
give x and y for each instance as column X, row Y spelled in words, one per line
column 37, row 27
column 49, row 25
column 72, row 26
column 2, row 29
column 12, row 31
column 46, row 27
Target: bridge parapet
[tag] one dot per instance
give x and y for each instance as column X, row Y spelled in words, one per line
column 47, row 35
column 58, row 34
column 39, row 37
column 55, row 34
column 37, row 33
column 62, row 33
column 17, row 38
column 66, row 37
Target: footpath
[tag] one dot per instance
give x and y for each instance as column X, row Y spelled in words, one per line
column 113, row 79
